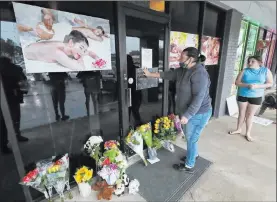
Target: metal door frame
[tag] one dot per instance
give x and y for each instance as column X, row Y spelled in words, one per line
column 124, row 9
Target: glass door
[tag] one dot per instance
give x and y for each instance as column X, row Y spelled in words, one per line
column 146, row 94
column 141, row 31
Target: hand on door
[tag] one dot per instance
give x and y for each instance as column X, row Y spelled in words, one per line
column 146, row 72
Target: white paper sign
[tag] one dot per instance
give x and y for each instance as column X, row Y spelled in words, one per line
column 146, row 58
column 232, row 105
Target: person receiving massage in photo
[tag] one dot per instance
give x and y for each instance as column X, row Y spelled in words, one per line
column 96, row 34
column 68, row 54
column 44, row 29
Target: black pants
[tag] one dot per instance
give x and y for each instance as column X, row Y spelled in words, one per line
column 136, row 103
column 171, row 102
column 16, row 115
column 95, row 100
column 58, row 97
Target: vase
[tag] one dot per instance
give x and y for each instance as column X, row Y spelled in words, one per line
column 85, row 189
column 152, row 153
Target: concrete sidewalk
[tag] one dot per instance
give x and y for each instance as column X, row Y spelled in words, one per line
column 242, row 171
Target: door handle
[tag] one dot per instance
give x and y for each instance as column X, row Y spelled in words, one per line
column 129, row 97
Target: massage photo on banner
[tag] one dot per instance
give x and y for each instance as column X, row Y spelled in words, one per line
column 178, row 42
column 56, row 41
column 210, row 48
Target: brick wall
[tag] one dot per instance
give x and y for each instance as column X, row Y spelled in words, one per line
column 227, row 60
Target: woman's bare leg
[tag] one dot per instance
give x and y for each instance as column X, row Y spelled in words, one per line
column 251, row 110
column 241, row 118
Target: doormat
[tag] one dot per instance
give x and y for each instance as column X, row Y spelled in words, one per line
column 160, row 182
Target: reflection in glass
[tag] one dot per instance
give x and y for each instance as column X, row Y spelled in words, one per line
column 136, row 94
column 239, row 54
column 91, row 102
column 251, row 42
column 145, row 34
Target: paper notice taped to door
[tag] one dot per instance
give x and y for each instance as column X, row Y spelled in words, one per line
column 146, row 58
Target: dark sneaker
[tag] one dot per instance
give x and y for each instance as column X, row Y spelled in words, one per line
column 21, row 138
column 65, row 118
column 58, row 117
column 184, row 158
column 182, row 167
column 6, row 150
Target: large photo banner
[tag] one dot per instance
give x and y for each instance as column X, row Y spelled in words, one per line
column 210, row 48
column 178, row 42
column 57, row 41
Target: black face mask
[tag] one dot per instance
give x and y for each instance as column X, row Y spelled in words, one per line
column 183, row 65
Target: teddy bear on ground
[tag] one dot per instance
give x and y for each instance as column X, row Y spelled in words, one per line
column 105, row 191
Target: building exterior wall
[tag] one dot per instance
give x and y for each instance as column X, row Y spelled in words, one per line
column 227, row 60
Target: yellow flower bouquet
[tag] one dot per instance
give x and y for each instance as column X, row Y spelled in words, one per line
column 83, row 174
column 165, row 132
column 83, row 177
column 164, row 129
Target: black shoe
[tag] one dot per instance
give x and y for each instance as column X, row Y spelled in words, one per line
column 6, row 150
column 58, row 117
column 182, row 167
column 65, row 118
column 21, row 138
column 183, row 159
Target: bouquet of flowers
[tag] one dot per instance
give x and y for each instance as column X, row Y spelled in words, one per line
column 113, row 163
column 110, row 173
column 177, row 124
column 92, row 147
column 34, row 180
column 56, row 175
column 83, row 177
column 165, row 131
column 135, row 141
column 42, row 167
column 146, row 132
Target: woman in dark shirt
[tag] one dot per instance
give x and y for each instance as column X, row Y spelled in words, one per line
column 193, row 103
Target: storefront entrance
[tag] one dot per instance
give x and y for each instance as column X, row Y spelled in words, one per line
column 138, row 29
column 58, row 117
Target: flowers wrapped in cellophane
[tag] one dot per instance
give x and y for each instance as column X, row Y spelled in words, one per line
column 35, row 180
column 42, row 166
column 92, row 147
column 146, row 132
column 135, row 141
column 177, row 124
column 110, row 173
column 165, row 131
column 113, row 163
column 58, row 175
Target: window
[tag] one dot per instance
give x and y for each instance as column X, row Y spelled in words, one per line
column 185, row 16
column 271, row 51
column 213, row 22
column 48, row 130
